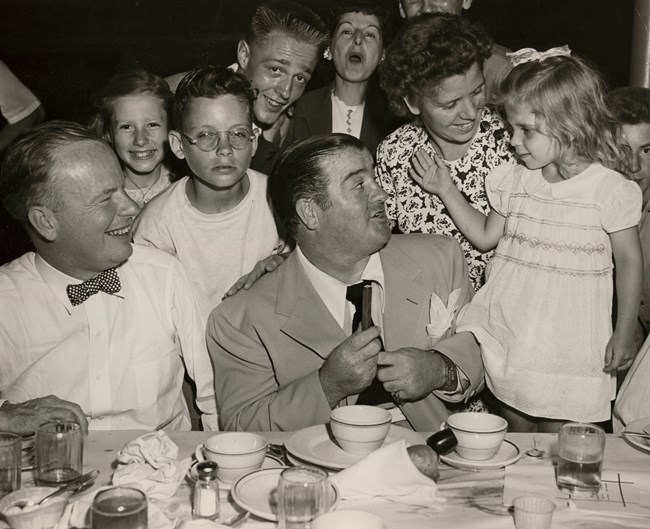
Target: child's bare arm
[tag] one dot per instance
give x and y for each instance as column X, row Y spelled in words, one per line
column 626, row 248
column 433, row 176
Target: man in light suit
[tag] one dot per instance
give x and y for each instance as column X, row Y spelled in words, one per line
column 284, row 352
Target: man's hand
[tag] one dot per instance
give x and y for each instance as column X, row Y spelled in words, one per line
column 262, row 267
column 23, row 418
column 431, row 174
column 620, row 352
column 412, row 373
column 351, row 366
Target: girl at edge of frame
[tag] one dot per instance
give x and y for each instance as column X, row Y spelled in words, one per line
column 133, row 114
column 543, row 317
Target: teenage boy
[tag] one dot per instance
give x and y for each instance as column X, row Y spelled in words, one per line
column 217, row 221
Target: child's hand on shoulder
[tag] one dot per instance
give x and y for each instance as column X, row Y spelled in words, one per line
column 431, row 174
column 620, row 352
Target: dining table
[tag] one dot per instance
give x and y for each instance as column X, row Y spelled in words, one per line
column 470, row 497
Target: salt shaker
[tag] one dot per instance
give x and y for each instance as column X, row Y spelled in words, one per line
column 206, row 503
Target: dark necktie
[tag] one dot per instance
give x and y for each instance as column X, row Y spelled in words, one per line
column 108, row 281
column 375, row 392
column 354, row 295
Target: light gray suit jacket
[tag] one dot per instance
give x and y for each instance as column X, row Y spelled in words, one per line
column 268, row 343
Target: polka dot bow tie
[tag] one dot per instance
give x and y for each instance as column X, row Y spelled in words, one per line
column 108, row 281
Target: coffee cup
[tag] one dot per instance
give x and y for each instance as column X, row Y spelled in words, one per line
column 236, row 453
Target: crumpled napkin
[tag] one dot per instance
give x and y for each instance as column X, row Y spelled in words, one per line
column 440, row 316
column 388, row 473
column 149, row 462
column 77, row 514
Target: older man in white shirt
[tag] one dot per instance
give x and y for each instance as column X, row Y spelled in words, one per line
column 87, row 317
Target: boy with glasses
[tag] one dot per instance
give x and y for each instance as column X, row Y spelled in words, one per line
column 217, row 221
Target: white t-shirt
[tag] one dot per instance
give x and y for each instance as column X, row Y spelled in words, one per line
column 216, row 249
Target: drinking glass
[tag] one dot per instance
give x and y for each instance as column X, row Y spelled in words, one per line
column 59, row 452
column 119, row 508
column 303, row 494
column 580, row 450
column 10, row 444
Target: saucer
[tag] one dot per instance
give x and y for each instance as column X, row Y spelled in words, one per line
column 269, row 462
column 253, row 492
column 640, row 425
column 507, row 454
column 315, row 445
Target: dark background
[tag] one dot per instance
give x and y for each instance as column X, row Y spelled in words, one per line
column 65, row 50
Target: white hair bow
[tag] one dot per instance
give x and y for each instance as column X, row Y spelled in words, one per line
column 530, row 54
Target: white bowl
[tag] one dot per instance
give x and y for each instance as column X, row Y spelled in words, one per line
column 40, row 517
column 479, row 435
column 360, row 430
column 348, row 520
column 236, row 453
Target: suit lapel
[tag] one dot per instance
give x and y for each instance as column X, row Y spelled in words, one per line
column 309, row 322
column 404, row 318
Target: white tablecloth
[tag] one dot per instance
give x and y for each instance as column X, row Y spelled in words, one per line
column 475, row 499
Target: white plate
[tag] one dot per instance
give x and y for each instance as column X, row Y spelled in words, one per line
column 640, row 425
column 507, row 454
column 253, row 491
column 269, row 462
column 316, row 445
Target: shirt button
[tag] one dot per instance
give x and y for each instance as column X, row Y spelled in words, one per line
column 98, row 333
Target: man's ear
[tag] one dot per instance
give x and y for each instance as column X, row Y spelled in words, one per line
column 467, row 4
column 401, row 9
column 176, row 144
column 43, row 221
column 411, row 105
column 243, row 54
column 307, row 212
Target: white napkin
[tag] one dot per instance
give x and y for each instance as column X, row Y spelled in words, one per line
column 77, row 514
column 388, row 473
column 441, row 316
column 149, row 462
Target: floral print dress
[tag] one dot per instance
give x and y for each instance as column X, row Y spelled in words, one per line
column 414, row 210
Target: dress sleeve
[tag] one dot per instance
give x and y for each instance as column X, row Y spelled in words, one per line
column 498, row 186
column 622, row 208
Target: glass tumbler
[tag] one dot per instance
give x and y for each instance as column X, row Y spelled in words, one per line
column 303, row 494
column 10, row 445
column 59, row 452
column 580, row 458
column 119, row 508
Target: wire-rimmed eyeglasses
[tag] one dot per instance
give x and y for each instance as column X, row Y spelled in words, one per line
column 207, row 141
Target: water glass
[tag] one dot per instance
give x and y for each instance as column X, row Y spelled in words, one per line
column 59, row 452
column 580, row 451
column 119, row 508
column 10, row 444
column 303, row 494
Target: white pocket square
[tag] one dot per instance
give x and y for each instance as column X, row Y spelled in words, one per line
column 441, row 316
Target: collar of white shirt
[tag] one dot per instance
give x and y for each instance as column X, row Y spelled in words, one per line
column 333, row 292
column 56, row 280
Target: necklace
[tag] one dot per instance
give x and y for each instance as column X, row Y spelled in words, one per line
column 144, row 192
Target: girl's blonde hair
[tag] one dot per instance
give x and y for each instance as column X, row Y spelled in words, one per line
column 567, row 97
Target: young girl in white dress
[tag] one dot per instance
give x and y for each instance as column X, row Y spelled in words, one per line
column 133, row 115
column 543, row 318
